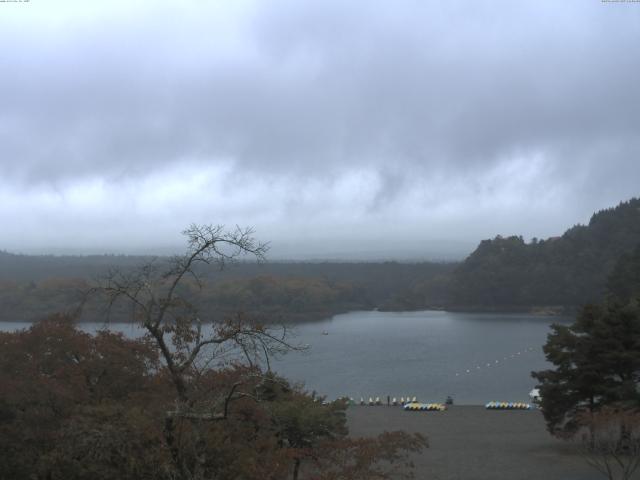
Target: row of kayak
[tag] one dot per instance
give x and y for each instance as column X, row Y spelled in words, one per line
column 412, row 404
column 490, row 406
column 508, row 406
column 439, row 407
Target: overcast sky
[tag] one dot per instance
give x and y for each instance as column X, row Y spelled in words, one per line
column 364, row 129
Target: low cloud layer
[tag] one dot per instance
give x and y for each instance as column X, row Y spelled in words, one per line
column 406, row 129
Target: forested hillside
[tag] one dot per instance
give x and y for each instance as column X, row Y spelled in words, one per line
column 624, row 282
column 564, row 271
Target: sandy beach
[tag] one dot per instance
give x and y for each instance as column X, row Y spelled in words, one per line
column 471, row 443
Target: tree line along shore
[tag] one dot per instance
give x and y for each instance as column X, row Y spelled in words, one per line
column 553, row 276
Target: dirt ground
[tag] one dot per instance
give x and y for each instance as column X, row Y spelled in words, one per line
column 471, row 443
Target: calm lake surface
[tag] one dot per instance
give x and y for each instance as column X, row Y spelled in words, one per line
column 429, row 354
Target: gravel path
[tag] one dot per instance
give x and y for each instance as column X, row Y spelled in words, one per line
column 471, row 443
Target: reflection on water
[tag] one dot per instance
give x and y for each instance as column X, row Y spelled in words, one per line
column 473, row 357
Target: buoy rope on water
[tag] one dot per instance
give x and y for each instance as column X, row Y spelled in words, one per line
column 497, row 361
column 376, row 401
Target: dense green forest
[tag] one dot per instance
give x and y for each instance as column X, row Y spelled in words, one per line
column 570, row 270
column 507, row 273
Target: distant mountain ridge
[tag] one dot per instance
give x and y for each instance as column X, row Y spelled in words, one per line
column 570, row 270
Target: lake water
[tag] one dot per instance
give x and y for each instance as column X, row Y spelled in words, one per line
column 430, row 354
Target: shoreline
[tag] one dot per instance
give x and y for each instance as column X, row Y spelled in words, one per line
column 542, row 310
column 319, row 316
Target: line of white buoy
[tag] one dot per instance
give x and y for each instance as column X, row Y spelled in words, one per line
column 495, row 362
column 376, row 401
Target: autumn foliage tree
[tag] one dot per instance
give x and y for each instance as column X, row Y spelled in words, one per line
column 193, row 399
column 52, row 376
column 82, row 406
column 189, row 344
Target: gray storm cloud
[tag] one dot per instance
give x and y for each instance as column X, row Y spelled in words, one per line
column 449, row 120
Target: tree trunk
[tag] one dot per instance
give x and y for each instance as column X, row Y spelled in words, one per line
column 296, row 468
column 169, row 435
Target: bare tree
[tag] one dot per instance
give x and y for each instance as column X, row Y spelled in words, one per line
column 610, row 441
column 189, row 343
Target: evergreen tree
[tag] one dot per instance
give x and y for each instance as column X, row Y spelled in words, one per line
column 597, row 363
column 624, row 281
